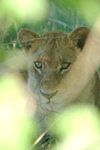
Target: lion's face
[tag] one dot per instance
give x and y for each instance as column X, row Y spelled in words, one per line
column 49, row 60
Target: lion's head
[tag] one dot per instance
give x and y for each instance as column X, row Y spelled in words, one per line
column 50, row 57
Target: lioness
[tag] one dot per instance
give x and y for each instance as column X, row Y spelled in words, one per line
column 50, row 58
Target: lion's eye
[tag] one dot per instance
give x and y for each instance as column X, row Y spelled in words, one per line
column 38, row 64
column 65, row 66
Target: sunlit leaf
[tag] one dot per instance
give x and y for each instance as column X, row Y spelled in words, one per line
column 24, row 9
column 16, row 127
column 78, row 128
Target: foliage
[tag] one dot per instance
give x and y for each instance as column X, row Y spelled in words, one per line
column 16, row 126
column 78, row 128
column 58, row 18
column 89, row 13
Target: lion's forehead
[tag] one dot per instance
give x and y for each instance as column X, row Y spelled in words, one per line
column 55, row 34
column 54, row 55
column 55, row 51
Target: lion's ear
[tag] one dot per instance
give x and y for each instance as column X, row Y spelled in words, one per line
column 26, row 38
column 79, row 36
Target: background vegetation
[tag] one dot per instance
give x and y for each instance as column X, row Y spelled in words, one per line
column 58, row 18
column 41, row 16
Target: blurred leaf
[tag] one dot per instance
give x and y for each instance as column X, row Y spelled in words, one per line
column 78, row 128
column 24, row 9
column 16, row 126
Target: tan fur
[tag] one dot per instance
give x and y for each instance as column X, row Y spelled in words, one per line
column 51, row 85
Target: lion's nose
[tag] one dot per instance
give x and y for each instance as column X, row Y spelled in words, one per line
column 48, row 96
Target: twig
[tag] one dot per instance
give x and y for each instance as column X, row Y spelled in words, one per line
column 43, row 134
column 60, row 22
